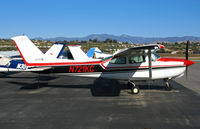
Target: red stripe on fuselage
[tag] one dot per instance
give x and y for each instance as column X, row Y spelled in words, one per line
column 21, row 54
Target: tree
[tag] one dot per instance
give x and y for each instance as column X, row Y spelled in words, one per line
column 114, row 41
column 83, row 41
column 108, row 40
column 90, row 40
column 95, row 40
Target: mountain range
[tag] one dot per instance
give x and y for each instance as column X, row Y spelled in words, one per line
column 124, row 38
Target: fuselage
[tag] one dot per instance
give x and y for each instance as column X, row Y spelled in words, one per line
column 123, row 68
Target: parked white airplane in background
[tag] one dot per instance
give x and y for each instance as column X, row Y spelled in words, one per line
column 132, row 64
column 11, row 54
column 96, row 52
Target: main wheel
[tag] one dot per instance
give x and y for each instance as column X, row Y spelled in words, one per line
column 168, row 86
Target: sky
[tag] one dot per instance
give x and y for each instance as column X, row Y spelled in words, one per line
column 78, row 18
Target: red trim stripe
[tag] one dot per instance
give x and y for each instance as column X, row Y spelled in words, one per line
column 21, row 54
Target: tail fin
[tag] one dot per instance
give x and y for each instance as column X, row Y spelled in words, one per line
column 55, row 51
column 29, row 52
column 97, row 52
column 100, row 54
column 90, row 53
column 77, row 53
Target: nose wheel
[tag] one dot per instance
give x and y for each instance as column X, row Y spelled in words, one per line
column 133, row 87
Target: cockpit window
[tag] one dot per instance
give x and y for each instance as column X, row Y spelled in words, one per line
column 154, row 56
column 136, row 59
column 119, row 60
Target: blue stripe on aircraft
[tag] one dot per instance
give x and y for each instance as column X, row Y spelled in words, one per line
column 61, row 51
column 90, row 53
column 14, row 63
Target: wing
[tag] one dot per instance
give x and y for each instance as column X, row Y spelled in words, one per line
column 138, row 50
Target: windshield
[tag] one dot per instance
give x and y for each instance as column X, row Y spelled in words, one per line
column 154, row 56
column 106, row 58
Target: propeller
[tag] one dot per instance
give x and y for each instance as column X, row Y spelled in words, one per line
column 186, row 57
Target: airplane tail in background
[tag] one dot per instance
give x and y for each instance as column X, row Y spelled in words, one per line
column 55, row 51
column 90, row 53
column 77, row 53
column 98, row 53
column 95, row 51
column 29, row 52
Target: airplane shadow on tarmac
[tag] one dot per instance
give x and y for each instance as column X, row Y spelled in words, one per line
column 100, row 87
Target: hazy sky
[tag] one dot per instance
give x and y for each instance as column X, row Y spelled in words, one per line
column 77, row 18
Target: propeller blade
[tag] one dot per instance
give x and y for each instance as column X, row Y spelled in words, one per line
column 187, row 48
column 186, row 71
column 150, row 64
column 186, row 56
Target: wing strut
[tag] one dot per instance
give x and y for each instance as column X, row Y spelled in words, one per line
column 150, row 64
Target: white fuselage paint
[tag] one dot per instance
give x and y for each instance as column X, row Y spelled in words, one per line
column 135, row 74
column 160, row 70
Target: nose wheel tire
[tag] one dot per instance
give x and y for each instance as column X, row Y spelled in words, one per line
column 133, row 87
column 135, row 90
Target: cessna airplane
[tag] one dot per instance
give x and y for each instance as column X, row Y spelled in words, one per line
column 139, row 63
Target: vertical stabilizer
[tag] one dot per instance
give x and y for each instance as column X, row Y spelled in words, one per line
column 100, row 54
column 55, row 51
column 77, row 53
column 90, row 53
column 29, row 52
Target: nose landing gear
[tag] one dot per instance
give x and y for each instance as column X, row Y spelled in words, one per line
column 133, row 87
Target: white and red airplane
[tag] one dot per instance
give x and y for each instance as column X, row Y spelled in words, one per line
column 132, row 64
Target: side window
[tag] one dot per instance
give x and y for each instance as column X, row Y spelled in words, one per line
column 120, row 60
column 136, row 59
column 154, row 56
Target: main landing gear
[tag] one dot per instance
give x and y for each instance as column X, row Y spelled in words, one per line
column 133, row 87
column 167, row 85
